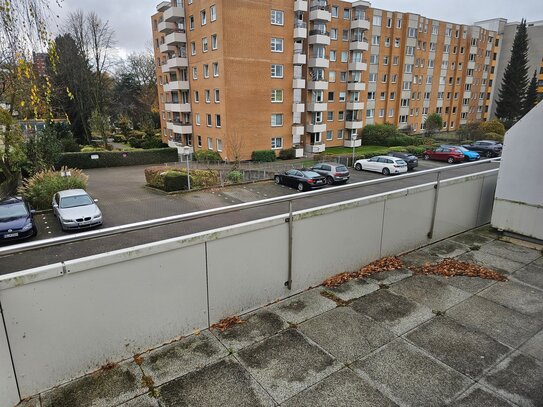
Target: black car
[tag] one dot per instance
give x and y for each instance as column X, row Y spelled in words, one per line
column 486, row 148
column 301, row 179
column 411, row 160
column 16, row 219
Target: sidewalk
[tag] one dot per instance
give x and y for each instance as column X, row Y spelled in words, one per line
column 396, row 338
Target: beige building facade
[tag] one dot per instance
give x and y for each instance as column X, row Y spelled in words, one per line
column 235, row 76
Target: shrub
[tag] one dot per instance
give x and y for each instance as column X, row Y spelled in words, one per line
column 207, row 155
column 416, row 150
column 235, row 177
column 152, row 142
column 118, row 158
column 287, row 154
column 156, row 177
column 492, row 126
column 263, row 156
column 91, row 149
column 40, row 188
column 135, row 142
column 119, row 138
column 428, row 141
column 493, row 136
column 377, row 134
column 137, row 134
column 175, row 181
column 70, row 146
column 398, row 149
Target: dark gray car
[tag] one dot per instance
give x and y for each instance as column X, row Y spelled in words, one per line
column 335, row 173
column 411, row 160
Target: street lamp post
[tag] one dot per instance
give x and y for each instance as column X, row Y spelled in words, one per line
column 187, row 154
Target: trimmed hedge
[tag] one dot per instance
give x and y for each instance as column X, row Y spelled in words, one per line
column 118, row 158
column 175, row 181
column 156, row 177
column 207, row 155
column 288, row 154
column 263, row 156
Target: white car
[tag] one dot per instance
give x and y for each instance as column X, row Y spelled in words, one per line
column 386, row 165
column 75, row 209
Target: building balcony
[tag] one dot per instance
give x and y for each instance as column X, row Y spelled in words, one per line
column 356, row 86
column 166, row 27
column 176, row 85
column 317, row 107
column 355, row 106
column 319, row 37
column 318, row 63
column 298, row 83
column 165, row 48
column 361, row 3
column 471, row 65
column 317, row 85
column 299, row 59
column 315, row 128
column 300, row 30
column 350, row 124
column 320, row 13
column 467, row 94
column 177, row 107
column 358, row 66
column 300, row 5
column 181, row 149
column 176, row 38
column 356, row 45
column 174, row 14
column 177, row 62
column 298, row 107
column 469, row 80
column 352, row 143
column 361, row 24
column 316, row 148
column 163, row 6
column 180, row 128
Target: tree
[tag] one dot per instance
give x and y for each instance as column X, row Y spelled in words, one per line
column 42, row 151
column 512, row 94
column 492, row 126
column 469, row 131
column 12, row 155
column 99, row 123
column 531, row 95
column 433, row 123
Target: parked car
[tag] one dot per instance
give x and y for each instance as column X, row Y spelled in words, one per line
column 386, row 165
column 333, row 172
column 486, row 148
column 468, row 154
column 302, row 179
column 449, row 154
column 75, row 209
column 411, row 160
column 16, row 219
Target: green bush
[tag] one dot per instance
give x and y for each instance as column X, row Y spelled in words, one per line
column 135, row 142
column 152, row 142
column 156, row 177
column 287, row 154
column 91, row 149
column 428, row 141
column 398, row 149
column 70, row 146
column 40, row 188
column 263, row 156
column 175, row 181
column 119, row 138
column 207, row 155
column 137, row 134
column 235, row 177
column 493, row 136
column 416, row 150
column 118, row 158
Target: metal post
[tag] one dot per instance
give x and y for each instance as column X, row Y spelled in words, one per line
column 353, row 138
column 188, row 172
column 290, row 225
column 434, row 210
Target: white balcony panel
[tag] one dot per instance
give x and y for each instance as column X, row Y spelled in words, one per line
column 176, row 85
column 298, row 152
column 316, row 148
column 166, row 27
column 179, row 128
column 360, row 24
column 469, row 80
column 467, row 94
column 163, row 6
column 319, row 39
column 298, row 108
column 296, row 139
column 358, row 66
column 174, row 14
column 359, row 46
column 299, row 59
column 318, row 63
column 298, row 83
column 355, row 106
column 315, row 128
column 181, row 149
column 352, row 143
column 177, row 107
column 165, row 68
column 177, row 63
column 175, row 38
column 317, row 107
column 300, row 5
column 471, row 65
column 300, row 33
column 318, row 14
column 317, row 85
column 354, row 125
column 167, row 48
column 356, row 86
column 298, row 131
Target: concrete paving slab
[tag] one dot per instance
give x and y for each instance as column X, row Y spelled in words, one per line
column 466, row 350
column 287, row 363
column 520, row 297
column 519, row 379
column 511, row 251
column 409, row 377
column 488, row 231
column 396, row 312
column 470, row 285
column 419, row 258
column 389, row 277
column 501, row 323
column 479, row 396
column 491, row 261
column 31, row 402
column 429, row 292
column 538, row 262
column 471, row 239
column 143, row 401
column 446, row 248
column 257, row 326
column 531, row 275
column 303, row 306
column 346, row 334
column 181, row 357
column 534, row 347
column 340, row 389
column 225, row 383
column 104, row 388
column 354, row 289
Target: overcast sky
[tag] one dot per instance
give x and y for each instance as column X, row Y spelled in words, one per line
column 131, row 18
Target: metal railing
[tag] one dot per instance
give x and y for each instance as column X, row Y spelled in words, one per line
column 116, row 230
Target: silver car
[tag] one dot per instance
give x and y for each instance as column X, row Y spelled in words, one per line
column 75, row 209
column 334, row 172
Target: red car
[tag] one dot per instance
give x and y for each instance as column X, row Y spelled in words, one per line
column 449, row 154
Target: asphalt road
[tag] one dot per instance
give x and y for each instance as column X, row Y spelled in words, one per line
column 123, row 199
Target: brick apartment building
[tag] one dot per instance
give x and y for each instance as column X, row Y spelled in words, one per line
column 310, row 74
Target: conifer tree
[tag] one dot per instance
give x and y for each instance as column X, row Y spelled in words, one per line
column 531, row 95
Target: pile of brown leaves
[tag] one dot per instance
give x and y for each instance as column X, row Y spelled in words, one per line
column 226, row 323
column 384, row 264
column 452, row 267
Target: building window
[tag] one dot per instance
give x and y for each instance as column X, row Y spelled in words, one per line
column 330, row 116
column 213, row 41
column 217, row 96
column 343, row 76
column 373, row 77
column 197, row 118
column 213, row 13
column 342, row 96
column 395, row 60
column 219, row 143
column 203, row 17
column 276, row 71
column 375, row 39
column 218, row 121
column 277, row 17
column 215, row 69
column 199, row 141
column 206, row 71
column 196, row 96
column 330, row 96
column 333, row 55
column 276, row 119
column 381, row 112
column 333, row 33
column 208, row 120
column 191, row 23
column 329, row 135
column 277, row 45
column 397, row 42
column 277, row 96
column 411, row 32
column 435, row 30
column 390, row 112
column 409, row 50
column 374, row 59
column 276, row 142
column 370, row 113
column 340, row 116
column 345, row 36
column 385, row 60
column 371, row 95
column 207, row 96
column 346, row 15
column 340, row 134
column 344, row 56
column 331, row 76
column 193, row 48
column 194, row 72
column 204, row 44
column 209, row 143
column 377, row 20
column 335, row 11
column 399, row 23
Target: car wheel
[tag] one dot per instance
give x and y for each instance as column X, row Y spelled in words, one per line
column 358, row 167
column 450, row 160
column 426, row 157
column 301, row 187
column 329, row 180
column 277, row 179
column 488, row 154
column 386, row 171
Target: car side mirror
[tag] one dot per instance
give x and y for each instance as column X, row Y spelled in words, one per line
column 95, row 200
column 32, row 211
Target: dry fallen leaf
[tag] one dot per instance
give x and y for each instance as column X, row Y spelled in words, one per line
column 226, row 323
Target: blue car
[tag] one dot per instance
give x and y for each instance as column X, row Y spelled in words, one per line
column 16, row 219
column 468, row 154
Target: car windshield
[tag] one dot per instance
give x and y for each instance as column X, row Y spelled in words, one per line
column 401, row 162
column 310, row 174
column 76, row 200
column 463, row 149
column 341, row 168
column 15, row 210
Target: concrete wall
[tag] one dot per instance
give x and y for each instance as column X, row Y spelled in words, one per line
column 68, row 319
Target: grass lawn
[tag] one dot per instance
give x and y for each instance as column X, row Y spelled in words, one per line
column 362, row 150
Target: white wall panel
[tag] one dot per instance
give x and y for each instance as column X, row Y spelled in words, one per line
column 9, row 396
